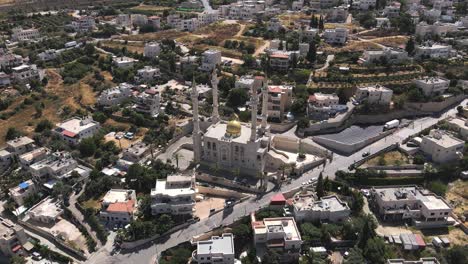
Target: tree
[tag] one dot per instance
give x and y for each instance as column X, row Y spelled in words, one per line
column 303, row 123
column 177, row 156
column 320, row 190
column 61, row 190
column 460, row 110
column 355, row 256
column 374, row 251
column 237, row 97
column 87, row 147
column 438, row 187
column 18, row 260
column 280, row 46
column 367, row 232
column 321, row 25
column 242, row 231
column 457, row 255
column 410, row 46
column 13, row 133
column 310, row 232
column 312, row 53
column 358, row 202
column 144, row 206
column 44, row 124
column 271, row 257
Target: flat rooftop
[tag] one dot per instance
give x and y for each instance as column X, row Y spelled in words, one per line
column 432, row 80
column 117, row 196
column 218, row 131
column 328, row 203
column 431, row 201
column 18, row 142
column 31, row 155
column 223, row 244
column 374, row 88
column 47, row 208
column 76, row 125
column 443, row 139
column 430, row 260
column 285, row 225
column 161, row 188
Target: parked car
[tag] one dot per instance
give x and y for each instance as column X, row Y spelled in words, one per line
column 365, row 154
column 129, row 135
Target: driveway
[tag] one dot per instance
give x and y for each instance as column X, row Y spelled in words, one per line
column 330, row 58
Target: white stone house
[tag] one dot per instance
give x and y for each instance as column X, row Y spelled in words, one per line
column 442, row 147
column 174, row 195
column 76, row 128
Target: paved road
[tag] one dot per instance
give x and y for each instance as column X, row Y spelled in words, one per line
column 147, row 255
column 206, row 5
column 330, row 58
column 79, row 216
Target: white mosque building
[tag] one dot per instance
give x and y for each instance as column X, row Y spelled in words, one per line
column 249, row 148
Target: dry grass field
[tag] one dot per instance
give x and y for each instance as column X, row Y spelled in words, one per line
column 151, row 8
column 157, row 36
column 137, row 47
column 395, row 42
column 351, row 46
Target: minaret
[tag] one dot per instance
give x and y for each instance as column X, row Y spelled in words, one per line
column 214, row 84
column 265, row 104
column 196, row 125
column 253, row 108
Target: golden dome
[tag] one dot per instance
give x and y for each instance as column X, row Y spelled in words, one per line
column 233, row 128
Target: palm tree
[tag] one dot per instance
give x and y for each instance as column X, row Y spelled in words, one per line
column 283, row 167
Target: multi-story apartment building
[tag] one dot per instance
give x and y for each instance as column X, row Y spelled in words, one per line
column 58, row 165
column 147, row 74
column 210, row 60
column 23, row 190
column 433, row 51
column 279, row 60
column 20, row 145
column 174, row 195
column 25, row 73
column 442, row 147
column 152, row 50
column 118, row 206
column 20, row 34
column 401, row 203
column 274, row 24
column 83, row 24
column 4, row 79
column 364, row 4
column 336, row 36
column 155, row 22
column 392, row 10
column 327, row 209
column 208, row 17
column 383, row 22
column 139, row 20
column 337, row 14
column 423, row 29
column 47, row 211
column 33, row 156
column 115, row 95
column 248, row 82
column 217, row 250
column 76, row 128
column 310, row 33
column 432, row 85
column 374, row 95
column 279, row 100
column 190, row 24
column 174, row 20
column 388, row 55
column 148, row 102
column 124, row 20
column 12, row 238
column 322, row 106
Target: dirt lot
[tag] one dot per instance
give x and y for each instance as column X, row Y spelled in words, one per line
column 151, row 8
column 395, row 42
column 351, row 46
column 202, row 208
column 67, row 230
column 391, row 158
column 167, row 34
column 137, row 47
column 457, row 196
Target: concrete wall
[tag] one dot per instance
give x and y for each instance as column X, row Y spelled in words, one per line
column 281, row 127
column 285, row 143
column 224, row 182
column 220, row 192
column 436, row 106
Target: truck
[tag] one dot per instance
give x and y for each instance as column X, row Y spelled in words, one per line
column 391, row 124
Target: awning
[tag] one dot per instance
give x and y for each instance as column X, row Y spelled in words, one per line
column 24, row 185
column 68, row 134
column 16, row 248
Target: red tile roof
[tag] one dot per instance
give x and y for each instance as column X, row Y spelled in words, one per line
column 275, row 89
column 68, row 134
column 128, row 207
column 278, row 198
column 311, row 98
column 279, row 56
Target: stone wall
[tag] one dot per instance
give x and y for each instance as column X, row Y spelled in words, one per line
column 435, row 107
column 220, row 192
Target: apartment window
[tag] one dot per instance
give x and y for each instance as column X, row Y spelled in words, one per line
column 209, row 145
column 214, row 146
column 446, row 213
column 432, row 213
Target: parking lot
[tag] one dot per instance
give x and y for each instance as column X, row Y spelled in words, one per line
column 123, row 143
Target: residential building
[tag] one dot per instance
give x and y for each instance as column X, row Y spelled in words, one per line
column 433, row 51
column 392, row 10
column 33, row 156
column 208, row 17
column 6, row 158
column 364, row 4
column 9, row 60
column 337, row 14
column 25, row 73
column 374, row 95
column 327, row 209
column 174, row 20
column 460, row 126
column 191, row 4
column 124, row 62
column 280, row 234
column 48, row 55
column 147, row 74
column 441, row 29
column 136, row 152
column 23, row 190
column 279, row 100
column 154, row 21
column 387, row 55
column 442, row 147
column 12, row 238
column 432, row 85
column 76, row 128
column 20, row 145
column 383, row 22
column 279, row 60
column 139, row 20
column 115, row 95
column 148, row 102
column 47, row 211
column 297, row 5
column 274, row 24
column 210, row 60
column 124, row 20
column 83, row 24
column 4, row 79
column 325, row 4
column 174, row 195
column 410, row 203
column 152, row 50
column 217, row 250
column 118, row 206
column 336, row 36
column 58, row 165
column 430, row 260
column 190, row 24
column 310, row 33
column 248, row 82
column 323, row 106
column 20, row 34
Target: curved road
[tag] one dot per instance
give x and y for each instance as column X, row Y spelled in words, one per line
column 148, row 255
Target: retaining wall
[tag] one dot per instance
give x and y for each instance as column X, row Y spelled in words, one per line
column 220, row 192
